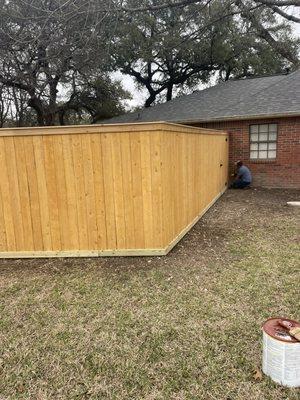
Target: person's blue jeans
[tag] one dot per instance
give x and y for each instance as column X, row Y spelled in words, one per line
column 239, row 184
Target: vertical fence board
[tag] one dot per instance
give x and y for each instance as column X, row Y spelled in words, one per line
column 42, row 191
column 99, row 190
column 173, row 179
column 70, row 191
column 52, row 190
column 31, row 171
column 61, row 193
column 147, row 188
column 126, row 172
column 24, row 195
column 109, row 191
column 137, row 191
column 7, row 205
column 14, row 192
column 118, row 191
column 156, row 185
column 78, row 160
column 3, row 242
column 89, row 191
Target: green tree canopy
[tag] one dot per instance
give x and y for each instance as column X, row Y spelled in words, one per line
column 167, row 48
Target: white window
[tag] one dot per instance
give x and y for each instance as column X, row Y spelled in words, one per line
column 263, row 141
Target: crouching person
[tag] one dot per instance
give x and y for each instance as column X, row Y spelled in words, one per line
column 243, row 176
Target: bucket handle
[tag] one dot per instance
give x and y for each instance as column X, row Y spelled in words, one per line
column 290, row 327
column 285, row 324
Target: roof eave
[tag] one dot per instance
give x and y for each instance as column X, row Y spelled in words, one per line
column 239, row 118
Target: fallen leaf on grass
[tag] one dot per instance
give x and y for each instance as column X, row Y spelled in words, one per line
column 20, row 388
column 257, row 374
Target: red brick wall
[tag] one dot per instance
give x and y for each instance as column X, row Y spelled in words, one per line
column 284, row 171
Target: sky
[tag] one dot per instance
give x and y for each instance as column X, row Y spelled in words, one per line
column 139, row 96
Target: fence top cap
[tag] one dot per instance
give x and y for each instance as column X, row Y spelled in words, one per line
column 107, row 128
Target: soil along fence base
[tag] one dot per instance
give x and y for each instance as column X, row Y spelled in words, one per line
column 106, row 190
column 281, row 352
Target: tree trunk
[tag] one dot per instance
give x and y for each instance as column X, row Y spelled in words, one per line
column 150, row 99
column 52, row 110
column 170, row 92
column 61, row 117
column 37, row 106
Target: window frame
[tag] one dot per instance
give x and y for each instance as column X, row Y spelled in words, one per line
column 267, row 142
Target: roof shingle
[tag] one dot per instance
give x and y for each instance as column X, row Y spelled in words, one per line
column 276, row 95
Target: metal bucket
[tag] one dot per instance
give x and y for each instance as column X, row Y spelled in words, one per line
column 281, row 353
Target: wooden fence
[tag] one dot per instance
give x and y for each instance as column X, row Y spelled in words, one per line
column 126, row 189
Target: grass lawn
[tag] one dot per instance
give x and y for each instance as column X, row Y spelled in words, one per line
column 185, row 326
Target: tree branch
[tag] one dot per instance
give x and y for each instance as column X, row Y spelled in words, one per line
column 183, row 3
column 274, row 5
column 10, row 82
column 284, row 14
column 279, row 3
column 265, row 34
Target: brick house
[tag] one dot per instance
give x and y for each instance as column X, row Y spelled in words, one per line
column 262, row 116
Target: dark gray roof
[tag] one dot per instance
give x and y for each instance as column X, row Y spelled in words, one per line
column 275, row 95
